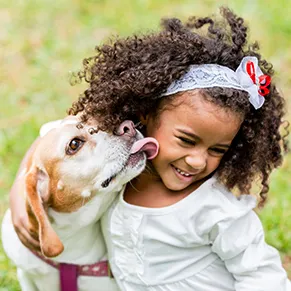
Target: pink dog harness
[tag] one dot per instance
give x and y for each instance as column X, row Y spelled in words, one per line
column 69, row 272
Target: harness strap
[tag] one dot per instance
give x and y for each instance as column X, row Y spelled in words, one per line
column 68, row 277
column 69, row 272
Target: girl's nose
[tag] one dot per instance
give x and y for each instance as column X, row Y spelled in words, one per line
column 126, row 128
column 197, row 161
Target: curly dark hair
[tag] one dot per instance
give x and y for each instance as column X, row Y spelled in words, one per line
column 127, row 76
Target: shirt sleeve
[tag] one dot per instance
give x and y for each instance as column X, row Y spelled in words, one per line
column 255, row 265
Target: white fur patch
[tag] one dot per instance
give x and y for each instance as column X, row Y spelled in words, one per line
column 60, row 185
column 86, row 193
column 54, row 124
column 22, row 173
column 69, row 121
column 49, row 126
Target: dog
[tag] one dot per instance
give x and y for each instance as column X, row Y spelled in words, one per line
column 71, row 178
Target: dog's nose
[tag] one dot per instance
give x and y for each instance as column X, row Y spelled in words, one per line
column 126, row 128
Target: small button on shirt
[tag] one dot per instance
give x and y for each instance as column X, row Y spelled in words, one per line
column 210, row 240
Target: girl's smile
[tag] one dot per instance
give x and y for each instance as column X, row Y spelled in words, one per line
column 184, row 176
column 193, row 135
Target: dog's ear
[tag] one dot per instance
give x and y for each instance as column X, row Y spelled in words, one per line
column 37, row 189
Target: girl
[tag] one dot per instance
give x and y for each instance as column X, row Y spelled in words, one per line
column 209, row 100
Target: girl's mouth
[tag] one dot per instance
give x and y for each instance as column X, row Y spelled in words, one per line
column 182, row 175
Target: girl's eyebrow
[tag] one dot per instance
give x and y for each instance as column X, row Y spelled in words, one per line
column 197, row 138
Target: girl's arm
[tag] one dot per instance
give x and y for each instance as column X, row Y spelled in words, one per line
column 17, row 205
column 253, row 263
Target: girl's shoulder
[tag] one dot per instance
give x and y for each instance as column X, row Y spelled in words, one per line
column 219, row 208
column 228, row 200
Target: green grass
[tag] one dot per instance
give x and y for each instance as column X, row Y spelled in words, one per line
column 41, row 41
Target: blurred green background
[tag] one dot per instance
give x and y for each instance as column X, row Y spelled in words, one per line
column 41, row 41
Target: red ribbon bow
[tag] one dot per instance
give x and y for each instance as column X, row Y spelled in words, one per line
column 264, row 80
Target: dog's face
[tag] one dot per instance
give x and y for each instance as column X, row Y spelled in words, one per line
column 70, row 165
column 80, row 163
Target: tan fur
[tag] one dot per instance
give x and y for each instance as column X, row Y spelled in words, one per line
column 67, row 199
column 40, row 225
column 67, row 168
column 71, row 176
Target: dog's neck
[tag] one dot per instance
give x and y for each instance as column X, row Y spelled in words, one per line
column 80, row 231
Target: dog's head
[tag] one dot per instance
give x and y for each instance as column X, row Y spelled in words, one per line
column 70, row 165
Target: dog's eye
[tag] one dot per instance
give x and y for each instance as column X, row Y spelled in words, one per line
column 74, row 145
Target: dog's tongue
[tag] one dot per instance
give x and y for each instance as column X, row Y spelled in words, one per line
column 148, row 145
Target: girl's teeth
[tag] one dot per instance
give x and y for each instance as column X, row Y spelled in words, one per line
column 183, row 173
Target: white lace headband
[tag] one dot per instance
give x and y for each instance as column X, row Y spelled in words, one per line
column 247, row 77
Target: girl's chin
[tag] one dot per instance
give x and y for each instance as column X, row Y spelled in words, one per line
column 171, row 185
column 175, row 184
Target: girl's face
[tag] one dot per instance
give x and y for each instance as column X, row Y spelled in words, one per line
column 193, row 135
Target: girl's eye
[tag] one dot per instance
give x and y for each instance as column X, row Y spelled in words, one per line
column 187, row 141
column 218, row 151
column 74, row 145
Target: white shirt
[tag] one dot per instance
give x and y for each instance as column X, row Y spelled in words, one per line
column 210, row 240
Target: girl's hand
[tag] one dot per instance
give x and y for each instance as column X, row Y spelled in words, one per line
column 18, row 207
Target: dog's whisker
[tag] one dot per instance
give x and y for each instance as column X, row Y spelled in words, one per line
column 139, row 125
column 149, row 169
